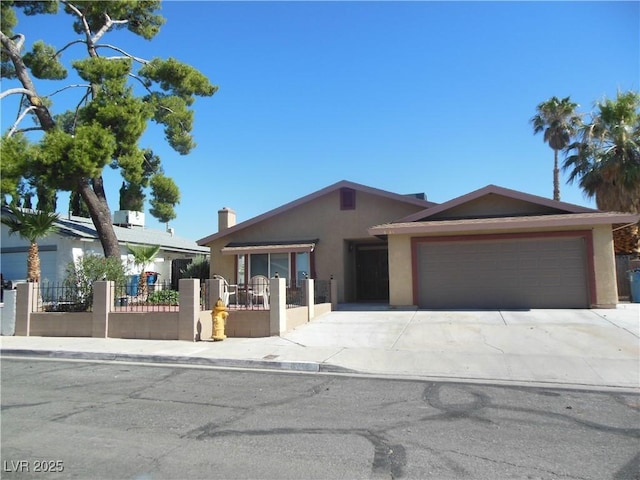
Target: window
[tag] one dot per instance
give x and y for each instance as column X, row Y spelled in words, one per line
column 302, row 266
column 240, row 263
column 259, row 264
column 347, row 199
column 279, row 263
column 268, row 264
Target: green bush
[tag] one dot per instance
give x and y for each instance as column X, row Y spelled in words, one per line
column 93, row 268
column 89, row 269
column 198, row 268
column 163, row 297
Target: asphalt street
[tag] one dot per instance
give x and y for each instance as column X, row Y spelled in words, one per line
column 115, row 420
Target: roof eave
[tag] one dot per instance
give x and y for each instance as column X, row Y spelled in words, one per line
column 511, row 223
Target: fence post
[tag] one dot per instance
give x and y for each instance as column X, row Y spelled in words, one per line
column 334, row 294
column 215, row 289
column 102, row 304
column 189, row 312
column 309, row 298
column 277, row 306
column 26, row 293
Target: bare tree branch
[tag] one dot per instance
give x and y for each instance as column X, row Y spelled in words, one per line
column 105, row 28
column 68, row 45
column 14, row 127
column 123, row 52
column 17, row 90
column 76, row 85
column 22, row 73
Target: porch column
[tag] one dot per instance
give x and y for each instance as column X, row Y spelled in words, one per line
column 215, row 289
column 309, row 297
column 102, row 304
column 189, row 289
column 277, row 306
column 25, row 304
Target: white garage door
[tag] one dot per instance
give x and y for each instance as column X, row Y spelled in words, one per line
column 513, row 273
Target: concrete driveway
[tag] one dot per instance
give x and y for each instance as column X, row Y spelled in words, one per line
column 577, row 347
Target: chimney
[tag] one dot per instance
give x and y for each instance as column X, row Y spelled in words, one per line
column 226, row 218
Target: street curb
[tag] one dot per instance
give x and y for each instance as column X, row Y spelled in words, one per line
column 167, row 359
column 298, row 366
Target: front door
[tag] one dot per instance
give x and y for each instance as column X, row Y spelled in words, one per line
column 372, row 273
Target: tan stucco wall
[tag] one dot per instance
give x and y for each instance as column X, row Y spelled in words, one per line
column 58, row 324
column 400, row 274
column 320, row 218
column 148, row 326
column 296, row 316
column 248, row 323
column 494, row 205
column 605, row 267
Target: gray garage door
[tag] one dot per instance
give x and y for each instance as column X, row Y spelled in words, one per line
column 514, row 273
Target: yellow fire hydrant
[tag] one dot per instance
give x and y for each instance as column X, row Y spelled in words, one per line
column 219, row 318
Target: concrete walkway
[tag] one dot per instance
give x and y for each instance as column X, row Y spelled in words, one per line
column 570, row 348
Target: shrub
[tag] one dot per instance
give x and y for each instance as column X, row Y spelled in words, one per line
column 89, row 269
column 163, row 297
column 198, row 268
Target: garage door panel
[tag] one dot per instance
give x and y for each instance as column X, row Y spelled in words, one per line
column 513, row 273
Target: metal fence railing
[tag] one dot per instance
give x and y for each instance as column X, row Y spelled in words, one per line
column 255, row 295
column 623, row 265
column 322, row 291
column 160, row 297
column 156, row 297
column 64, row 297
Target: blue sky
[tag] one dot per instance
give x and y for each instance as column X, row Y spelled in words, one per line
column 431, row 97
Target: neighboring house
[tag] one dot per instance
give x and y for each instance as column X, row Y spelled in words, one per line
column 499, row 248
column 76, row 236
column 322, row 235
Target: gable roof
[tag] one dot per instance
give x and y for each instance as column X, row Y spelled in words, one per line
column 82, row 227
column 560, row 207
column 505, row 223
column 555, row 214
column 410, row 199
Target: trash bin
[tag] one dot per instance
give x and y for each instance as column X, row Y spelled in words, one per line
column 152, row 277
column 132, row 284
column 634, row 278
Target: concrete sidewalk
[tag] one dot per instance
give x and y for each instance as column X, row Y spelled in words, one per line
column 575, row 348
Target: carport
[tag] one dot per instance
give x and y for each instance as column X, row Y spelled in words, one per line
column 497, row 248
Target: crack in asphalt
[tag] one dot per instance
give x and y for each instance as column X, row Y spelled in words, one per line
column 388, row 458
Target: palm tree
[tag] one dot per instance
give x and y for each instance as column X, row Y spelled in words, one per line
column 31, row 226
column 559, row 121
column 143, row 255
column 606, row 157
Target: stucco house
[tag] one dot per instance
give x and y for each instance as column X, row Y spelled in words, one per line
column 322, row 235
column 500, row 248
column 76, row 236
column 492, row 248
